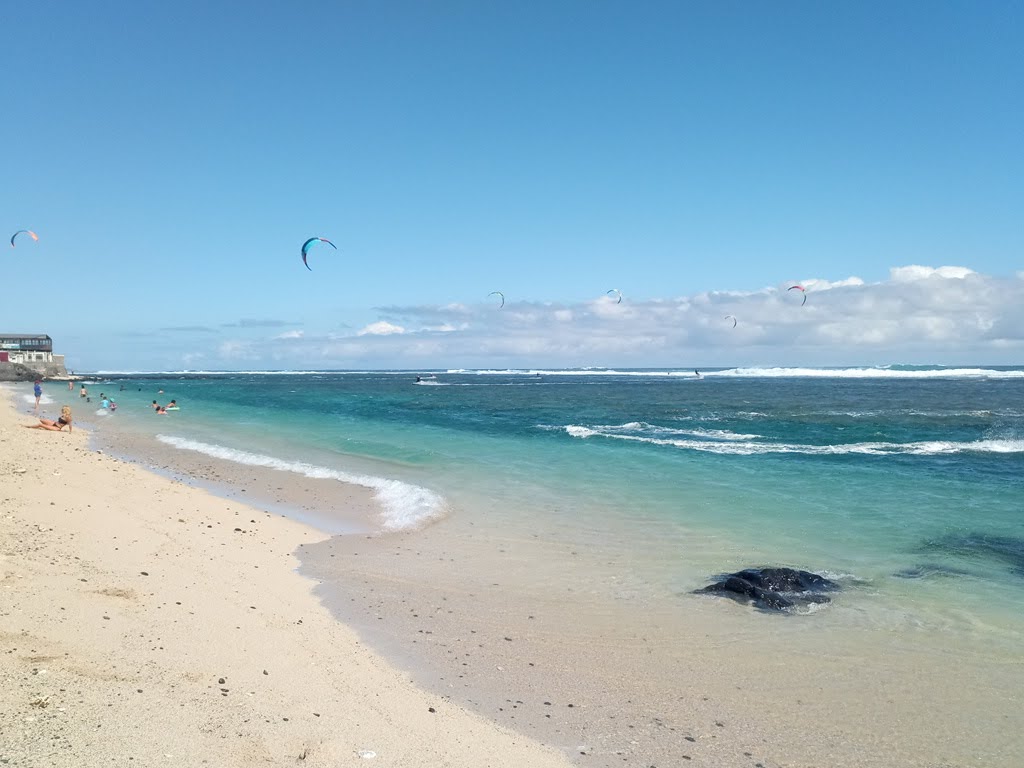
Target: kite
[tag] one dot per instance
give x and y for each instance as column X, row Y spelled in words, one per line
column 616, row 292
column 730, row 317
column 308, row 244
column 500, row 295
column 802, row 290
column 24, row 231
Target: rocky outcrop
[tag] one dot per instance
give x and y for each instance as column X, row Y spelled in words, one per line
column 17, row 372
column 773, row 589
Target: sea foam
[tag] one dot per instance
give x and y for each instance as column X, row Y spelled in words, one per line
column 739, row 445
column 403, row 505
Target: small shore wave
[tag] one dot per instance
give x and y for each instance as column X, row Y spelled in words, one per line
column 404, row 506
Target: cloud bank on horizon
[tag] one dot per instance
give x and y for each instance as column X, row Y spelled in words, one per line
column 920, row 314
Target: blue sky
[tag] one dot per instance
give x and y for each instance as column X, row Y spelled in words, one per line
column 699, row 157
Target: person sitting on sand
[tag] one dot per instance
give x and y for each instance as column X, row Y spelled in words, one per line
column 64, row 420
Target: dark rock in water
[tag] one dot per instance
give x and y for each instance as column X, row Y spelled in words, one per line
column 1003, row 549
column 773, row 589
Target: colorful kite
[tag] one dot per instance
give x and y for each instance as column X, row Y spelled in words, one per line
column 25, row 232
column 308, row 244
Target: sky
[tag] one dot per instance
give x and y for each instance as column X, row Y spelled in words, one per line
column 701, row 158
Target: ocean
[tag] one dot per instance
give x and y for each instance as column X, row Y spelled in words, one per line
column 906, row 483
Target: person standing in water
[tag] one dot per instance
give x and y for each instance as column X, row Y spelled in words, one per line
column 37, row 390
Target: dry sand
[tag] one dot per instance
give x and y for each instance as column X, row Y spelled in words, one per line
column 145, row 622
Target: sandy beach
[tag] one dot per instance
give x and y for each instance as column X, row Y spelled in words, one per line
column 145, row 622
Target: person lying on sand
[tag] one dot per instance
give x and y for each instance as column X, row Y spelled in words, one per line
column 64, row 420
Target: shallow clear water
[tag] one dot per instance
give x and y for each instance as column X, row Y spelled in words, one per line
column 908, row 481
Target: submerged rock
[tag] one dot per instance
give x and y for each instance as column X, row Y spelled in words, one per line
column 1008, row 550
column 929, row 570
column 773, row 589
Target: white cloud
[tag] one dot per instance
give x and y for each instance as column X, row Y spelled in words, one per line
column 816, row 284
column 289, row 335
column 920, row 314
column 917, row 272
column 380, row 328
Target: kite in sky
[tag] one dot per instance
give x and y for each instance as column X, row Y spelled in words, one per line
column 802, row 290
column 500, row 295
column 309, row 243
column 615, row 292
column 26, row 232
column 730, row 317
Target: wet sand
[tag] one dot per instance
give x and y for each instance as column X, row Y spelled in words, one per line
column 701, row 681
column 532, row 631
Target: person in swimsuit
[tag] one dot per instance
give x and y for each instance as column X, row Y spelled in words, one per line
column 64, row 420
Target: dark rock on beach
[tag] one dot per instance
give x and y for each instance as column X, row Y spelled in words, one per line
column 773, row 589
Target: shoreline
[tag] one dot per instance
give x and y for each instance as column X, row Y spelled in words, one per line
column 146, row 619
column 700, row 680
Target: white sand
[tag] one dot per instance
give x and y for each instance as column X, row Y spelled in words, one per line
column 141, row 618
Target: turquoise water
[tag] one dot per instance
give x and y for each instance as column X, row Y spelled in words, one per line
column 908, row 482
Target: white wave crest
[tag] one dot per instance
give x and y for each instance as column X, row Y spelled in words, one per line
column 743, row 447
column 643, row 429
column 869, row 373
column 403, row 505
column 44, row 399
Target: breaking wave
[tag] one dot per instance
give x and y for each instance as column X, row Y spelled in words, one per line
column 403, row 505
column 746, row 445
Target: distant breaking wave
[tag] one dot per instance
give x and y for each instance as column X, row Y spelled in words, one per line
column 872, row 373
column 403, row 505
column 739, row 445
column 885, row 372
column 879, row 372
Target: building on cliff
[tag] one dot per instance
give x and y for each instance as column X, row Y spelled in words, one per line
column 32, row 350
